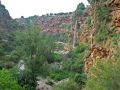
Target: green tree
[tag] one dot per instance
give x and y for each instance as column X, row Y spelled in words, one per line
column 7, row 82
column 80, row 9
column 88, row 22
column 35, row 49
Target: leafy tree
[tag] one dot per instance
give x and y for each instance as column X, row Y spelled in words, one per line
column 89, row 1
column 80, row 9
column 103, row 17
column 7, row 81
column 67, row 85
column 35, row 49
column 78, row 12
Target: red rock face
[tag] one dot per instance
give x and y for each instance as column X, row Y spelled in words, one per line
column 98, row 52
column 86, row 32
column 114, row 5
column 95, row 53
column 54, row 24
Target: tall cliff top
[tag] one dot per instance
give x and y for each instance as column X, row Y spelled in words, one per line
column 5, row 18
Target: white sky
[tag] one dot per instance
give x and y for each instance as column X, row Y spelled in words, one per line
column 18, row 8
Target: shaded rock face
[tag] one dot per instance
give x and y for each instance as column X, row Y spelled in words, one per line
column 5, row 18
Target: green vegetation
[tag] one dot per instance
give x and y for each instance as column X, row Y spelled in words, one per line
column 67, row 26
column 67, row 85
column 88, row 22
column 103, row 17
column 35, row 49
column 7, row 82
column 106, row 76
column 78, row 12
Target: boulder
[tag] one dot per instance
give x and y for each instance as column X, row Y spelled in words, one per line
column 41, row 85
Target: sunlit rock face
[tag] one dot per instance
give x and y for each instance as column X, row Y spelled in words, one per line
column 114, row 5
column 85, row 35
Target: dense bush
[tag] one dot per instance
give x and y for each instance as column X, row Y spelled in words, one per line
column 105, row 76
column 88, row 22
column 67, row 85
column 60, row 75
column 35, row 50
column 7, row 82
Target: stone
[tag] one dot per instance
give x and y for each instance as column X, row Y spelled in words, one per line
column 43, row 86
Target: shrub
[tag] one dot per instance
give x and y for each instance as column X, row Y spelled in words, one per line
column 88, row 22
column 105, row 76
column 67, row 85
column 35, row 49
column 7, row 82
column 59, row 75
column 80, row 9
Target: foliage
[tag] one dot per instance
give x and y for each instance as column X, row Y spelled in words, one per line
column 105, row 76
column 67, row 26
column 67, row 85
column 7, row 81
column 35, row 49
column 75, row 64
column 103, row 13
column 62, row 37
column 6, row 46
column 80, row 9
column 88, row 22
column 60, row 75
column 77, row 51
column 103, row 17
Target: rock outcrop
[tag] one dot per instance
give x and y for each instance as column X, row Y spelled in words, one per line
column 85, row 35
column 54, row 24
column 43, row 86
column 5, row 19
column 98, row 51
column 114, row 5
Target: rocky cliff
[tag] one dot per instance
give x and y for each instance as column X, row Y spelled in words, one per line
column 99, row 25
column 114, row 6
column 5, row 18
column 55, row 24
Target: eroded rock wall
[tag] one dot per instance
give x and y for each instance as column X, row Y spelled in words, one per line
column 5, row 19
column 114, row 5
column 97, row 51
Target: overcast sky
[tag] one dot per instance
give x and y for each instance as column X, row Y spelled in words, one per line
column 18, row 8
